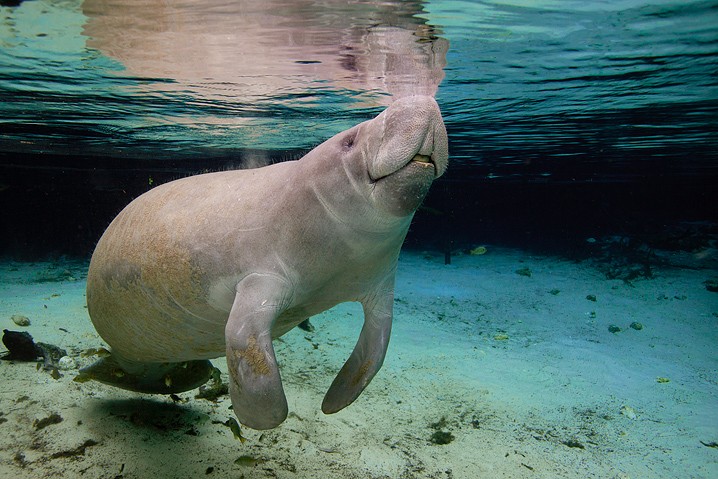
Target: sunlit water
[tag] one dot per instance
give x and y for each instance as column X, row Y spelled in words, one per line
column 563, row 116
column 587, row 129
column 531, row 89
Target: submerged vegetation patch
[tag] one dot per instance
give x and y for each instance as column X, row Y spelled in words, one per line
column 440, row 436
column 690, row 244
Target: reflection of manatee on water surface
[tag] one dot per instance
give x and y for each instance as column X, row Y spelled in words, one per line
column 252, row 51
column 222, row 263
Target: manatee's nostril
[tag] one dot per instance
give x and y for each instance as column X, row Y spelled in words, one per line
column 348, row 142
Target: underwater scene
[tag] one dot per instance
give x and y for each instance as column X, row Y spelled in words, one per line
column 438, row 239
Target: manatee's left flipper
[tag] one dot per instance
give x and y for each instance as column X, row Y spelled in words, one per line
column 368, row 355
column 255, row 385
column 151, row 378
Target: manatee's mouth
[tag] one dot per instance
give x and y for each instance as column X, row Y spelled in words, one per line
column 401, row 192
column 423, row 160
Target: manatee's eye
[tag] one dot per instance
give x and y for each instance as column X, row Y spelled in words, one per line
column 348, row 141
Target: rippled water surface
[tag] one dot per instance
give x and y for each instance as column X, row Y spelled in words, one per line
column 599, row 90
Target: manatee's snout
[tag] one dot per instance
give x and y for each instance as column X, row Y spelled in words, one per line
column 413, row 152
column 411, row 129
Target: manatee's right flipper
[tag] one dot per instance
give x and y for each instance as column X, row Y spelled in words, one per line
column 151, row 378
column 254, row 383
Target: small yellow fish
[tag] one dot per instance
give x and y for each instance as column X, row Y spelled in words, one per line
column 478, row 250
column 101, row 352
column 233, row 426
column 248, row 461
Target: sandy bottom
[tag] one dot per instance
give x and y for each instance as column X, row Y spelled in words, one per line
column 490, row 374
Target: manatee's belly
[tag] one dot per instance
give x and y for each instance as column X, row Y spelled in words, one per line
column 168, row 319
column 173, row 312
column 147, row 324
column 151, row 303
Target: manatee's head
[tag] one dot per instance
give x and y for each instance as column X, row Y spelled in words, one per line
column 397, row 155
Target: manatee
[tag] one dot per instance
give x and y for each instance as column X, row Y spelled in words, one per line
column 223, row 263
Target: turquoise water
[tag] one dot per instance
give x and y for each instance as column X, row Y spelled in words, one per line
column 531, row 89
column 565, row 119
column 555, row 302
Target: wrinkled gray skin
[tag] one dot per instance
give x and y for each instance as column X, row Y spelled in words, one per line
column 222, row 263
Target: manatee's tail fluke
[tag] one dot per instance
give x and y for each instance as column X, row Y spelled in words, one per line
column 151, row 378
